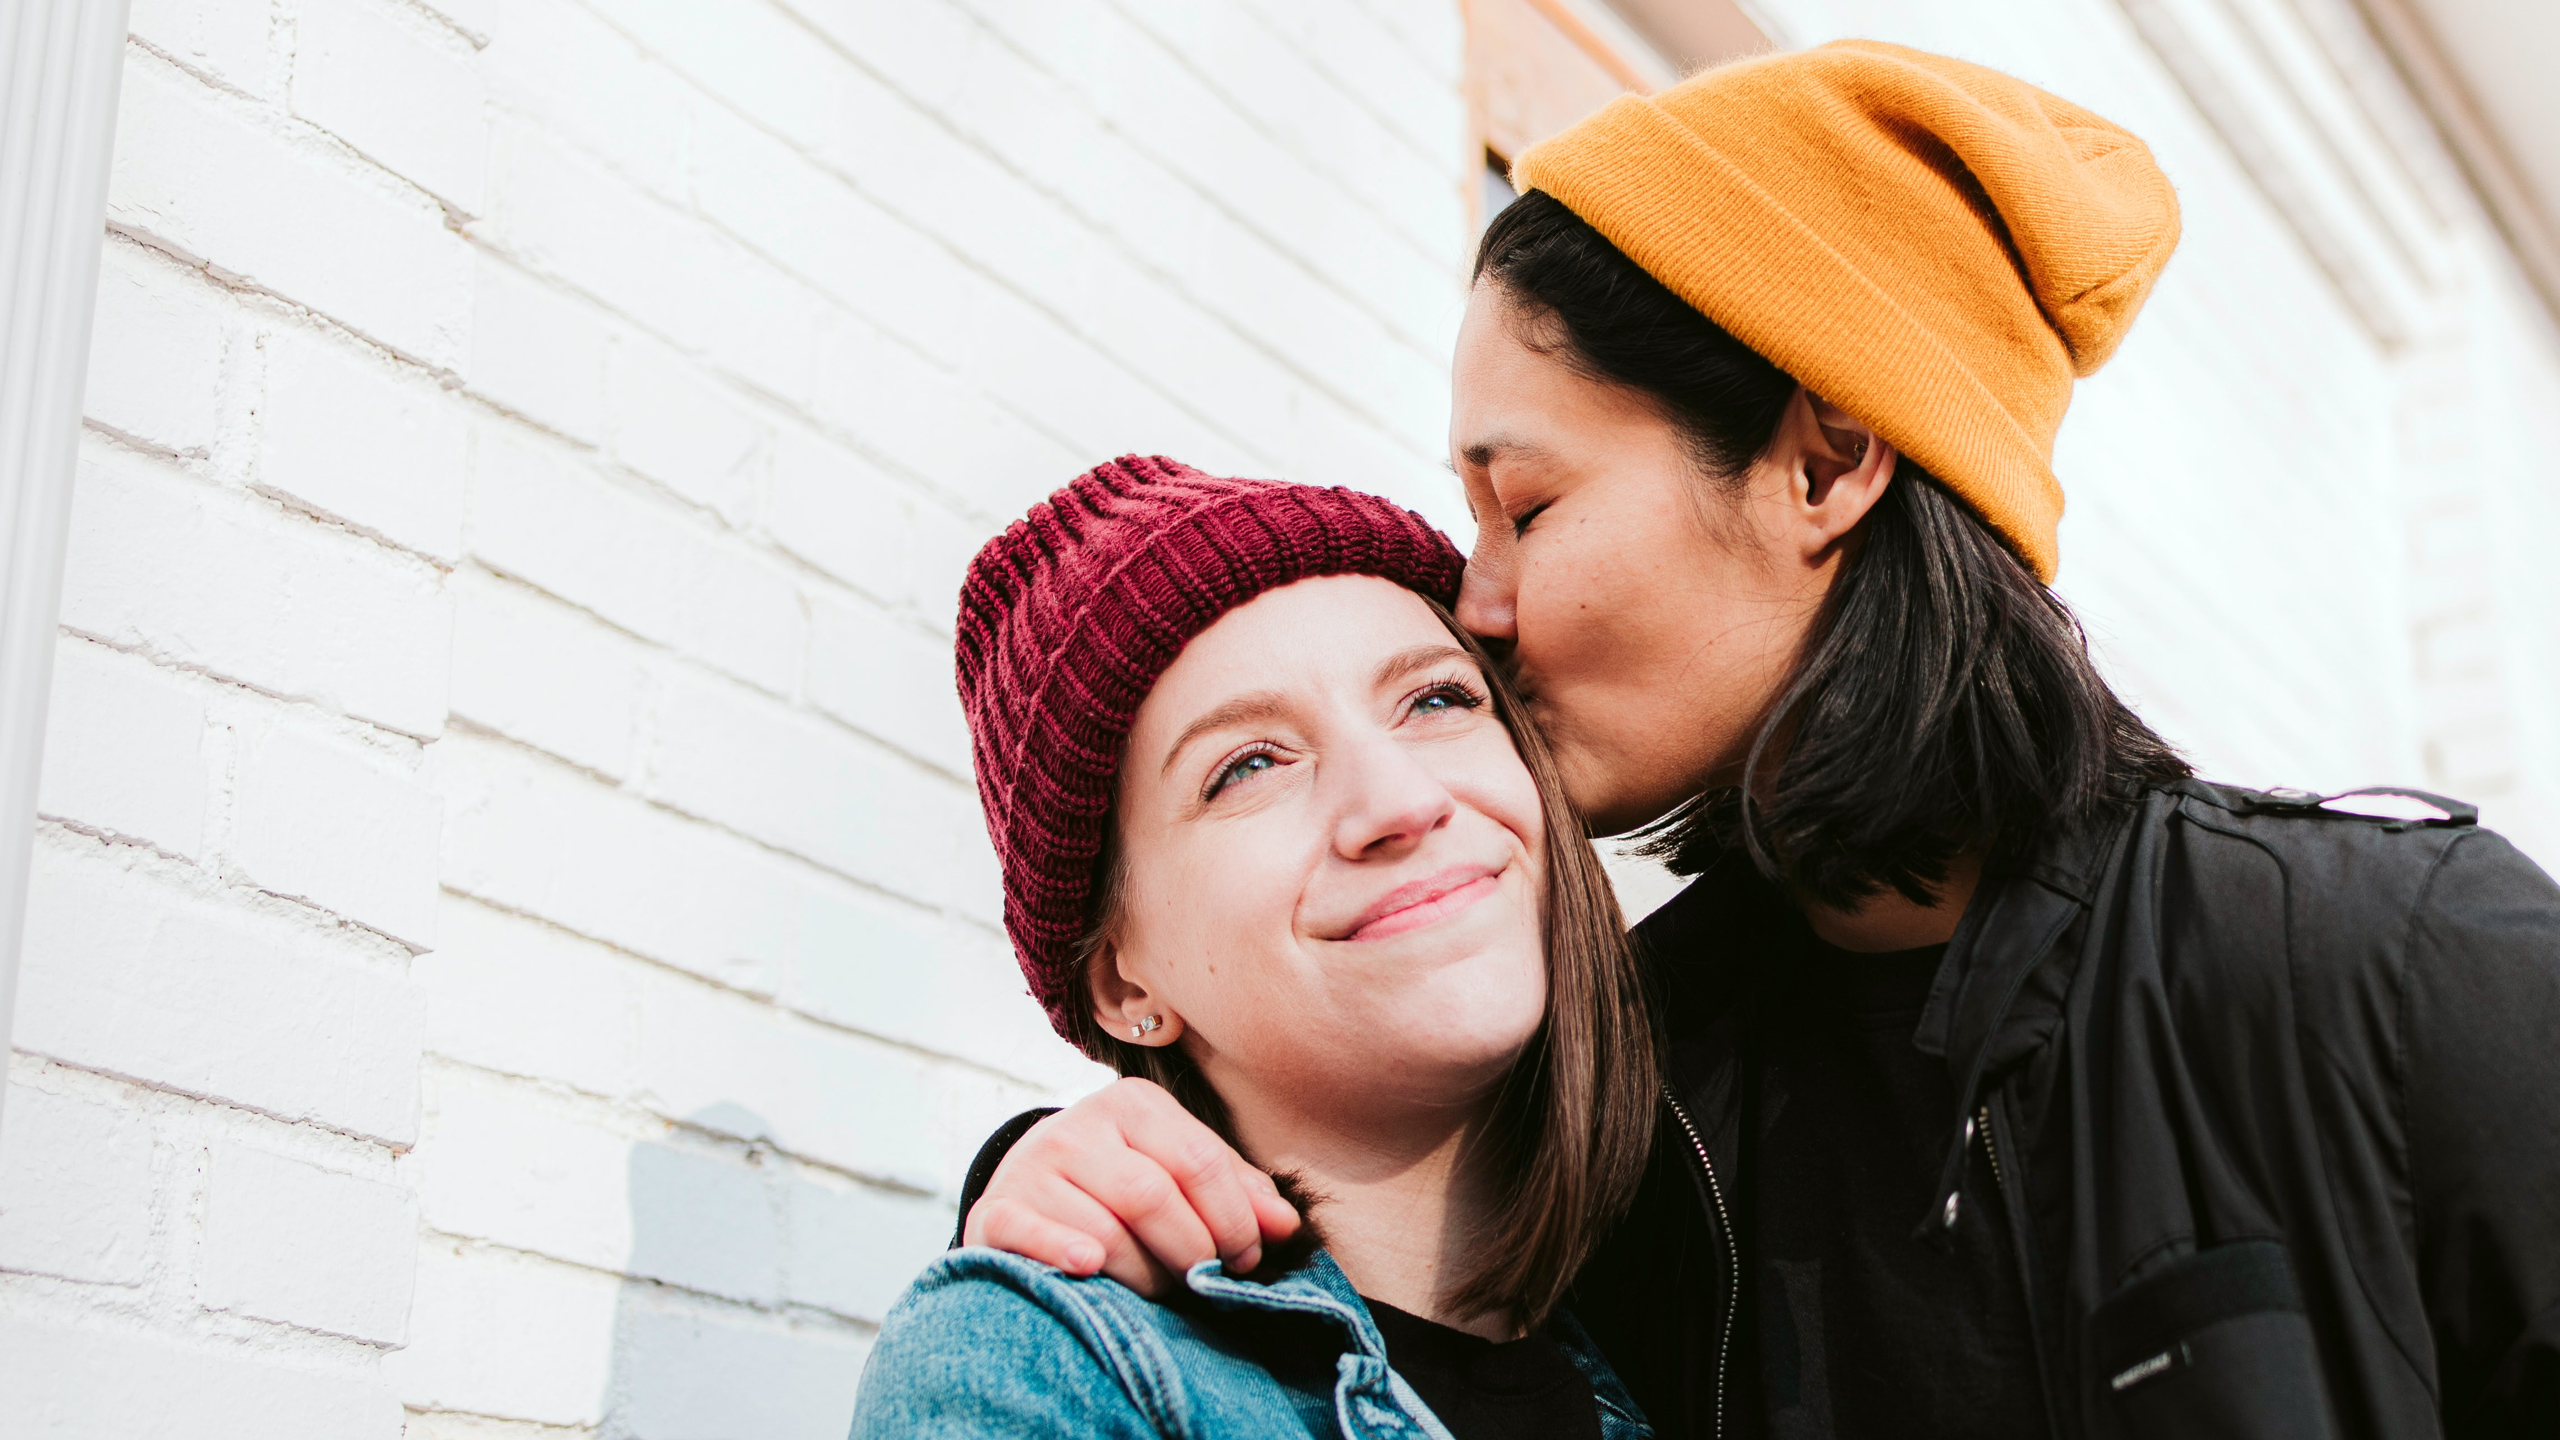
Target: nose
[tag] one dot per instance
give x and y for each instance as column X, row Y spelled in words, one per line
column 1385, row 802
column 1487, row 595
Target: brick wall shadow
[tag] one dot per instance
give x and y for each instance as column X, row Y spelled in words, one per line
column 708, row 1343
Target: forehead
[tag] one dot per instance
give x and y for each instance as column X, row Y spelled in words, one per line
column 1319, row 634
column 1507, row 395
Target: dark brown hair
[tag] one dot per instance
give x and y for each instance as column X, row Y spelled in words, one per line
column 1573, row 1119
column 1944, row 698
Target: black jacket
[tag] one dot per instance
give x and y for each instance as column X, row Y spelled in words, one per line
column 2277, row 1091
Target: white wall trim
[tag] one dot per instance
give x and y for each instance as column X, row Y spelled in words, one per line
column 61, row 61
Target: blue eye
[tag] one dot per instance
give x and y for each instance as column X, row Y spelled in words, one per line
column 1243, row 767
column 1445, row 697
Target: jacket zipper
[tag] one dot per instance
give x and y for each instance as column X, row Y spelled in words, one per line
column 2015, row 1203
column 1733, row 1262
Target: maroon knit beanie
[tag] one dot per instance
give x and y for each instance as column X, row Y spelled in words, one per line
column 1068, row 617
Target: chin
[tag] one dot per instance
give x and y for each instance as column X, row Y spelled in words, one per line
column 1478, row 1015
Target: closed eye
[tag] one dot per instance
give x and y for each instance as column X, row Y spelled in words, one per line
column 1520, row 524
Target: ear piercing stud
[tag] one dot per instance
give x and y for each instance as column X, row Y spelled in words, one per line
column 1147, row 1026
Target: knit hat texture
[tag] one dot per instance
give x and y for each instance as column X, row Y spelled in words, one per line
column 1068, row 618
column 1935, row 247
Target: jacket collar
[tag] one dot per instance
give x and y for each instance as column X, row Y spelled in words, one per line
column 1318, row 1287
column 1732, row 917
column 1371, row 1401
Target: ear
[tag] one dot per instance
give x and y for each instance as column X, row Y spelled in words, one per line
column 1837, row 468
column 1124, row 1004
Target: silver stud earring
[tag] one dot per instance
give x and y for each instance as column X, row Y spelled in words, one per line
column 1148, row 1026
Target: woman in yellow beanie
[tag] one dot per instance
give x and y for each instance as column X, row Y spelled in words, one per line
column 2018, row 1083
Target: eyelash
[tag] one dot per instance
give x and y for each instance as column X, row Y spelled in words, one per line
column 1466, row 696
column 1221, row 777
column 1520, row 526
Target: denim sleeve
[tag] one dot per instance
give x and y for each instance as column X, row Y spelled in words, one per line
column 973, row 1355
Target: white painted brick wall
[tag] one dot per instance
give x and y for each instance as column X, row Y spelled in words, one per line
column 353, row 440
column 70, row 1382
column 291, row 1242
column 512, row 943
column 75, row 1196
column 326, row 824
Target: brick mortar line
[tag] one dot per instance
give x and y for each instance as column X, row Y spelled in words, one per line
column 871, row 888
column 791, row 13
column 1397, row 38
column 633, row 1121
column 482, row 1419
column 297, row 135
column 1347, row 92
column 1325, row 386
column 178, row 1099
column 381, row 739
column 792, row 1314
column 771, row 1002
column 258, row 493
column 564, row 285
column 241, row 1337
column 207, row 883
column 287, row 309
column 668, row 806
column 764, row 542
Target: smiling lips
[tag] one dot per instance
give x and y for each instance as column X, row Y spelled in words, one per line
column 1425, row 902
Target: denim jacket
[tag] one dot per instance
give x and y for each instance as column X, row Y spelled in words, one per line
column 986, row 1343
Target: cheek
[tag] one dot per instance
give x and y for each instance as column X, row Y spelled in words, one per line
column 1592, row 590
column 1206, row 924
column 1510, row 798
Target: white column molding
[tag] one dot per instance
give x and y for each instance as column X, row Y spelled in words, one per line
column 60, row 61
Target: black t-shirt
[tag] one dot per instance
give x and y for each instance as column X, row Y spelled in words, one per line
column 1525, row 1389
column 1861, row 1328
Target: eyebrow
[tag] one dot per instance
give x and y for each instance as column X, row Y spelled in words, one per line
column 1260, row 705
column 1264, row 704
column 1406, row 661
column 1481, row 453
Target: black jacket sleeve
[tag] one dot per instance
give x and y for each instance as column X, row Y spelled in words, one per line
column 2481, row 1049
column 990, row 1155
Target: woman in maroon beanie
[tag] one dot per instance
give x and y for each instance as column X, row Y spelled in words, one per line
column 1275, row 838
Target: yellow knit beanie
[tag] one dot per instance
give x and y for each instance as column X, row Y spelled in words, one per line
column 1934, row 247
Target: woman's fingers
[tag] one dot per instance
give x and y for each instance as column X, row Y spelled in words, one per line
column 1147, row 1188
column 1148, row 1202
column 1225, row 1195
column 1005, row 1224
column 1062, row 1224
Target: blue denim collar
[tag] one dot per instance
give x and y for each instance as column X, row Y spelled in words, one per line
column 1370, row 1398
column 1317, row 1287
